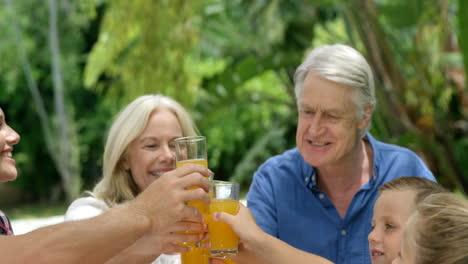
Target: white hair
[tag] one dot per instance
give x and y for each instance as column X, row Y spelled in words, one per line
column 344, row 65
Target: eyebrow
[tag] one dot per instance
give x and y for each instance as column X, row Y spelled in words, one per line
column 148, row 138
column 155, row 138
column 327, row 110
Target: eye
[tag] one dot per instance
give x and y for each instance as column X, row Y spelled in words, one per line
column 151, row 146
column 307, row 112
column 389, row 227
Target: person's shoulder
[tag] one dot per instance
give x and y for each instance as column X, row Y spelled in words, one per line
column 387, row 149
column 288, row 163
column 85, row 207
column 88, row 201
column 392, row 159
column 290, row 156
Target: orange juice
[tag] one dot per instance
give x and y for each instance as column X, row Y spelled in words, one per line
column 229, row 261
column 201, row 206
column 202, row 162
column 222, row 238
column 194, row 256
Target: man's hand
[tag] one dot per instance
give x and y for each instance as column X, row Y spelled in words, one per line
column 164, row 201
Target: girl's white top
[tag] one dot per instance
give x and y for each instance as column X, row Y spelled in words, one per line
column 88, row 207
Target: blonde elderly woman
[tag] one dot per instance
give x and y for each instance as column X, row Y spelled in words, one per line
column 139, row 149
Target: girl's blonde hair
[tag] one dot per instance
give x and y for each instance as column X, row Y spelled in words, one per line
column 439, row 230
column 117, row 184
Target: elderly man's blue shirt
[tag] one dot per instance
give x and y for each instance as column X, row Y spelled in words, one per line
column 286, row 203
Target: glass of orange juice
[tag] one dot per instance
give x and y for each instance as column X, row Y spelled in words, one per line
column 194, row 256
column 192, row 150
column 228, row 261
column 224, row 198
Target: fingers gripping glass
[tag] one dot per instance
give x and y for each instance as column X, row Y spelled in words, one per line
column 224, row 198
column 192, row 150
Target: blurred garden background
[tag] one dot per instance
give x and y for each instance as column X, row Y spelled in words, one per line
column 68, row 66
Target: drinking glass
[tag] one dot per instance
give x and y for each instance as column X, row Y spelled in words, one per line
column 229, row 261
column 195, row 255
column 192, row 150
column 224, row 198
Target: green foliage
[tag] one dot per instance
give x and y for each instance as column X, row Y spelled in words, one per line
column 231, row 64
column 147, row 53
column 30, row 21
column 463, row 33
column 401, row 14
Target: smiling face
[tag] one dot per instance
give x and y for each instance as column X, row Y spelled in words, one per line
column 391, row 212
column 8, row 138
column 328, row 128
column 152, row 153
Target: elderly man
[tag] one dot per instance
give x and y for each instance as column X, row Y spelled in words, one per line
column 319, row 196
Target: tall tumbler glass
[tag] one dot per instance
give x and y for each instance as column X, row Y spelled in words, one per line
column 224, row 198
column 196, row 255
column 193, row 150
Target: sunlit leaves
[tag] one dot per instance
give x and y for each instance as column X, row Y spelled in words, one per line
column 143, row 48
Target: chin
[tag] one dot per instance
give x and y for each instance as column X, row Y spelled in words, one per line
column 8, row 177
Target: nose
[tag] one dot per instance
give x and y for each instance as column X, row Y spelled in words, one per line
column 373, row 236
column 316, row 127
column 12, row 138
column 167, row 154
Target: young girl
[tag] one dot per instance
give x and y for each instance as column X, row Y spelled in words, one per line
column 437, row 232
column 397, row 201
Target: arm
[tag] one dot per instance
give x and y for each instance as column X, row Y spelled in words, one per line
column 96, row 240
column 261, row 199
column 149, row 247
column 259, row 246
column 88, row 241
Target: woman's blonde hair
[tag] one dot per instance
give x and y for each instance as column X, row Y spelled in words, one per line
column 439, row 230
column 117, row 184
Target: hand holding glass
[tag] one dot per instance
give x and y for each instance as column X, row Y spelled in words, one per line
column 224, row 198
column 192, row 150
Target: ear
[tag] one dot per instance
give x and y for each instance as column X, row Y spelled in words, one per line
column 125, row 163
column 368, row 109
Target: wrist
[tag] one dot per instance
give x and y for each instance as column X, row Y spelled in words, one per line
column 141, row 224
column 256, row 241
